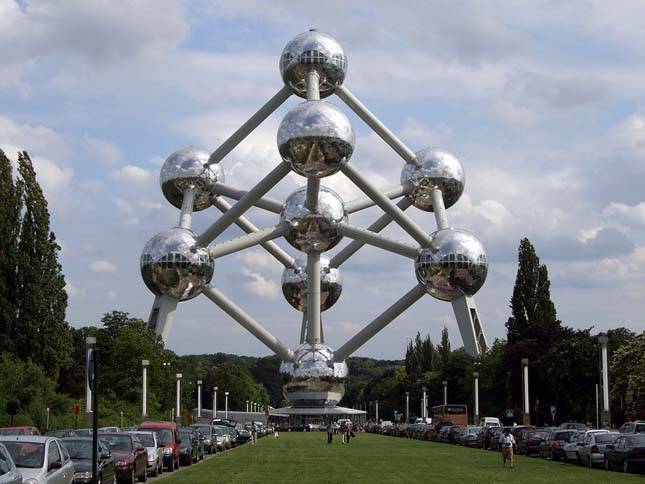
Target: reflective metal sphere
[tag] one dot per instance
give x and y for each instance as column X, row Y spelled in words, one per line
column 172, row 264
column 187, row 167
column 439, row 169
column 316, row 138
column 313, row 50
column 294, row 285
column 313, row 231
column 458, row 267
column 312, row 379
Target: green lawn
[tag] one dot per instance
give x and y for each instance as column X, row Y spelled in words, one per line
column 305, row 458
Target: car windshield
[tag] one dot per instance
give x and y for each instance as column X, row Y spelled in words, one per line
column 186, row 437
column 146, row 439
column 218, row 431
column 29, row 455
column 11, row 432
column 536, row 435
column 79, row 449
column 639, row 429
column 563, row 435
column 117, row 442
column 204, row 429
column 165, row 435
column 605, row 438
column 637, row 440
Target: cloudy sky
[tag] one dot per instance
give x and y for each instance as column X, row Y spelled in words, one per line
column 542, row 102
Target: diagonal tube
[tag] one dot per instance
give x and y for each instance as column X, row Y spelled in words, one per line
column 374, row 123
column 254, row 121
column 266, row 203
column 253, row 195
column 387, row 206
column 244, row 223
column 313, row 298
column 391, row 313
column 372, row 238
column 439, row 209
column 366, row 202
column 313, row 193
column 355, row 245
column 248, row 323
column 186, row 215
column 246, row 241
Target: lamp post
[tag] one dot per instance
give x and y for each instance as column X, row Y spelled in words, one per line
column 225, row 404
column 247, row 406
column 606, row 414
column 526, row 417
column 476, row 388
column 377, row 411
column 423, row 403
column 144, row 384
column 90, row 344
column 199, row 399
column 47, row 425
column 407, row 407
column 166, row 389
column 215, row 402
column 121, row 418
column 178, row 407
column 445, row 392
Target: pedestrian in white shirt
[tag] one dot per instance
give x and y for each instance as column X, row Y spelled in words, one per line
column 507, row 441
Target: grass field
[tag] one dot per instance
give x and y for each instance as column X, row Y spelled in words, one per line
column 305, row 458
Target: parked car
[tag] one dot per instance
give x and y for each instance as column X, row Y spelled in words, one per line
column 468, row 437
column 169, row 436
column 188, row 447
column 637, row 427
column 151, row 441
column 9, row 473
column 553, row 445
column 570, row 448
column 531, row 442
column 62, row 433
column 129, row 454
column 572, row 426
column 483, row 437
column 22, row 430
column 80, row 451
column 627, row 453
column 109, row 429
column 83, row 432
column 40, row 459
column 222, row 438
column 243, row 434
column 518, row 432
column 592, row 450
column 210, row 445
column 494, row 439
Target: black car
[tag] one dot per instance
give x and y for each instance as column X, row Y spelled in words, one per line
column 627, row 453
column 80, row 451
column 530, row 444
column 189, row 446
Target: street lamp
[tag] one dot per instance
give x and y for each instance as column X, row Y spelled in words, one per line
column 526, row 417
column 606, row 414
column 215, row 402
column 178, row 407
column 445, row 392
column 90, row 344
column 225, row 404
column 424, row 404
column 199, row 399
column 166, row 389
column 476, row 388
column 144, row 384
column 407, row 407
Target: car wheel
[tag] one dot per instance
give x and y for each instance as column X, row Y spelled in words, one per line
column 606, row 463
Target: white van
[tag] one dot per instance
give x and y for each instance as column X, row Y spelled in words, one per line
column 489, row 422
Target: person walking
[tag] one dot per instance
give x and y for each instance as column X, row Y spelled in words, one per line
column 330, row 432
column 348, row 432
column 507, row 441
column 254, row 433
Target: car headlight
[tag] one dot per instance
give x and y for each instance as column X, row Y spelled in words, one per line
column 82, row 475
column 31, row 480
column 120, row 463
column 167, row 451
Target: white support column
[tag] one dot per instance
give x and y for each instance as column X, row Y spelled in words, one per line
column 90, row 344
column 424, row 404
column 313, row 86
column 162, row 316
column 186, row 215
column 377, row 419
column 407, row 407
column 225, row 404
column 248, row 240
column 603, row 340
column 444, row 383
column 377, row 240
column 265, row 203
column 366, row 202
column 526, row 415
column 199, row 399
column 476, row 388
column 313, row 298
column 144, row 381
column 178, row 406
column 247, row 406
column 215, row 402
column 439, row 209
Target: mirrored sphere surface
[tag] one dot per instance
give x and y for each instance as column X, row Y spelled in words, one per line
column 172, row 265
column 313, row 231
column 294, row 284
column 313, row 379
column 458, row 267
column 309, row 51
column 316, row 138
column 439, row 169
column 185, row 168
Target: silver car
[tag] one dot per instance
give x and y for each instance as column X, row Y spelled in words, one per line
column 592, row 450
column 40, row 459
column 153, row 445
column 8, row 472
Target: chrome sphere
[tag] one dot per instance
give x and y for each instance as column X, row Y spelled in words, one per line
column 313, row 231
column 309, row 51
column 294, row 284
column 185, row 168
column 456, row 267
column 439, row 169
column 312, row 378
column 173, row 265
column 316, row 138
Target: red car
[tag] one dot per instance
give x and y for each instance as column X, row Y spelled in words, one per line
column 130, row 456
column 169, row 436
column 25, row 430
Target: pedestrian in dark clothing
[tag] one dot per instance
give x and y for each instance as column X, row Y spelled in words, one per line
column 330, row 433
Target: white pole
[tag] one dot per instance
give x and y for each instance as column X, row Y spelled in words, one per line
column 144, row 380
column 47, row 425
column 424, row 405
column 526, row 418
column 90, row 343
column 178, row 407
column 476, row 385
column 445, row 392
column 407, row 407
column 606, row 415
column 225, row 404
column 215, row 402
column 377, row 410
column 247, row 406
column 199, row 399
column 597, row 409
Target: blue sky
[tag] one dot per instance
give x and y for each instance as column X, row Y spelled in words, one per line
column 542, row 102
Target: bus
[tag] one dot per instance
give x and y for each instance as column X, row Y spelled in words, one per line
column 455, row 413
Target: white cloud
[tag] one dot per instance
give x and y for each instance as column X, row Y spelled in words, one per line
column 102, row 267
column 74, row 292
column 103, row 151
column 259, row 286
column 132, row 174
column 630, row 214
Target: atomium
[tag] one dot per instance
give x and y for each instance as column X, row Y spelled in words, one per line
column 315, row 231
column 189, row 168
column 172, row 265
column 315, row 140
column 294, row 284
column 457, row 267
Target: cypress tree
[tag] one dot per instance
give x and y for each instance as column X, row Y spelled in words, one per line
column 444, row 349
column 10, row 223
column 42, row 333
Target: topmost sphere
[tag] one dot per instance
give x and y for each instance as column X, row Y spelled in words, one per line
column 189, row 167
column 313, row 50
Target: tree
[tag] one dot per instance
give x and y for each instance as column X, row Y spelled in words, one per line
column 10, row 223
column 627, row 370
column 444, row 349
column 42, row 333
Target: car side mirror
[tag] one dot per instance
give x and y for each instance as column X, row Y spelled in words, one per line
column 609, row 446
column 105, row 455
column 55, row 465
column 160, row 444
column 579, row 444
column 140, row 448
